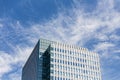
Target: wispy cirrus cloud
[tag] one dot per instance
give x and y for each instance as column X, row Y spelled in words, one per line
column 96, row 29
column 10, row 62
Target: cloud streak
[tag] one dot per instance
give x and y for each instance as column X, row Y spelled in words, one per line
column 78, row 27
column 10, row 62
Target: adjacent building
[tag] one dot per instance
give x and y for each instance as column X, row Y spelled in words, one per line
column 58, row 61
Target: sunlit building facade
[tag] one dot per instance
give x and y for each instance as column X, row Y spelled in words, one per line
column 58, row 61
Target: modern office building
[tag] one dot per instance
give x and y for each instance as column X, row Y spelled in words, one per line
column 58, row 61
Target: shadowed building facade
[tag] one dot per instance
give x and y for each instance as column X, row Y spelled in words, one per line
column 58, row 61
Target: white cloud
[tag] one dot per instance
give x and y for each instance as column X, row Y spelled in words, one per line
column 80, row 27
column 115, row 37
column 18, row 58
column 15, row 76
column 5, row 60
column 104, row 48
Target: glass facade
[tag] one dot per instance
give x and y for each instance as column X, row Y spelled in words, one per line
column 43, row 58
column 58, row 61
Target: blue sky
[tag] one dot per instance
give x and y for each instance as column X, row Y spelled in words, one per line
column 93, row 24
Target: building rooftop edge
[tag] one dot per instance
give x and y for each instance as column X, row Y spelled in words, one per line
column 57, row 42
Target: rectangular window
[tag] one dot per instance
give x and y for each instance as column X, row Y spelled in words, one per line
column 51, row 48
